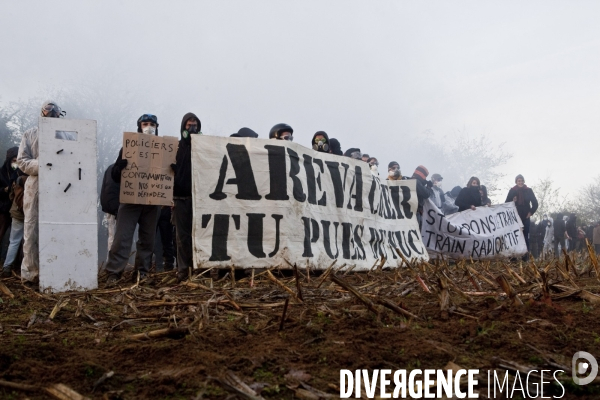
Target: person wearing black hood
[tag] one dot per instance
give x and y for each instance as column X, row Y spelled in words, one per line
column 450, row 206
column 8, row 174
column 130, row 216
column 335, row 147
column 320, row 142
column 423, row 189
column 182, row 195
column 469, row 197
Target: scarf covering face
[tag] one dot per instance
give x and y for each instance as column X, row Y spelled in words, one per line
column 520, row 194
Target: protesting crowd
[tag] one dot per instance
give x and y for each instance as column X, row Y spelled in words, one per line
column 19, row 205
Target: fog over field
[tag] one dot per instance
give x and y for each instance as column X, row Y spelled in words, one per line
column 375, row 75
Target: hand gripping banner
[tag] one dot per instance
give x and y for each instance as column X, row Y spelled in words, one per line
column 258, row 203
column 493, row 232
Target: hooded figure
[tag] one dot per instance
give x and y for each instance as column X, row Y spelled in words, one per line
column 27, row 162
column 8, row 174
column 143, row 216
column 450, row 197
column 548, row 237
column 423, row 189
column 335, row 147
column 353, row 153
column 244, row 132
column 485, row 200
column 320, row 142
column 182, row 195
column 469, row 196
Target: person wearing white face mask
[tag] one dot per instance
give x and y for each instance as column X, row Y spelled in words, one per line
column 130, row 215
column 27, row 162
column 373, row 165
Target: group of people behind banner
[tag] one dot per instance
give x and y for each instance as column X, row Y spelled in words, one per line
column 19, row 198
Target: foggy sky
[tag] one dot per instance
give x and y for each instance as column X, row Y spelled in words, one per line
column 372, row 74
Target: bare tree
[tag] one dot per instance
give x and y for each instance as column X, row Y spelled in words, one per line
column 587, row 204
column 549, row 198
column 459, row 156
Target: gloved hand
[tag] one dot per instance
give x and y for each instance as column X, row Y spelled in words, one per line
column 121, row 163
column 174, row 167
column 429, row 184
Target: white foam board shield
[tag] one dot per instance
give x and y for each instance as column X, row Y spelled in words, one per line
column 67, row 205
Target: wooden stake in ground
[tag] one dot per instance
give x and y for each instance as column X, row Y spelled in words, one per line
column 285, row 307
column 282, row 285
column 501, row 279
column 298, row 287
column 63, row 392
column 174, row 333
column 356, row 293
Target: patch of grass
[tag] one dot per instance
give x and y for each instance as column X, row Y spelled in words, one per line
column 261, row 374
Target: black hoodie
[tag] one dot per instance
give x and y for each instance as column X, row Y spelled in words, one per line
column 321, row 150
column 7, row 177
column 183, row 169
column 468, row 196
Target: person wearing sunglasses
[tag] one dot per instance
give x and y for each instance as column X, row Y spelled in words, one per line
column 130, row 215
column 282, row 132
column 182, row 195
column 27, row 162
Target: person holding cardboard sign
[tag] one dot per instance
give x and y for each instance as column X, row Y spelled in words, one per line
column 130, row 215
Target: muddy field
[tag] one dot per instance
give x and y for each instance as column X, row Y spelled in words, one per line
column 220, row 336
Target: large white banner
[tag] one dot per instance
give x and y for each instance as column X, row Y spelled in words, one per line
column 483, row 233
column 258, row 202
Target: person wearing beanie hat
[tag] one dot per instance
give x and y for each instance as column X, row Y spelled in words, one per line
column 27, row 162
column 469, row 196
column 437, row 197
column 526, row 203
column 423, row 189
column 394, row 173
column 145, row 217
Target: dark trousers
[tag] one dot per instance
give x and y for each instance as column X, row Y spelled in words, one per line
column 166, row 235
column 526, row 224
column 128, row 217
column 182, row 213
column 5, row 221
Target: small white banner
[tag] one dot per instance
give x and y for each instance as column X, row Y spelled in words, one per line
column 258, row 202
column 483, row 233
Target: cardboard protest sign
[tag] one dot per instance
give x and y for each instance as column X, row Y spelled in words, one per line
column 493, row 232
column 258, row 203
column 148, row 177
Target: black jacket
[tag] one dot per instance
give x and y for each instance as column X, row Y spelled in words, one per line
column 109, row 193
column 7, row 177
column 530, row 204
column 423, row 192
column 468, row 196
column 183, row 169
